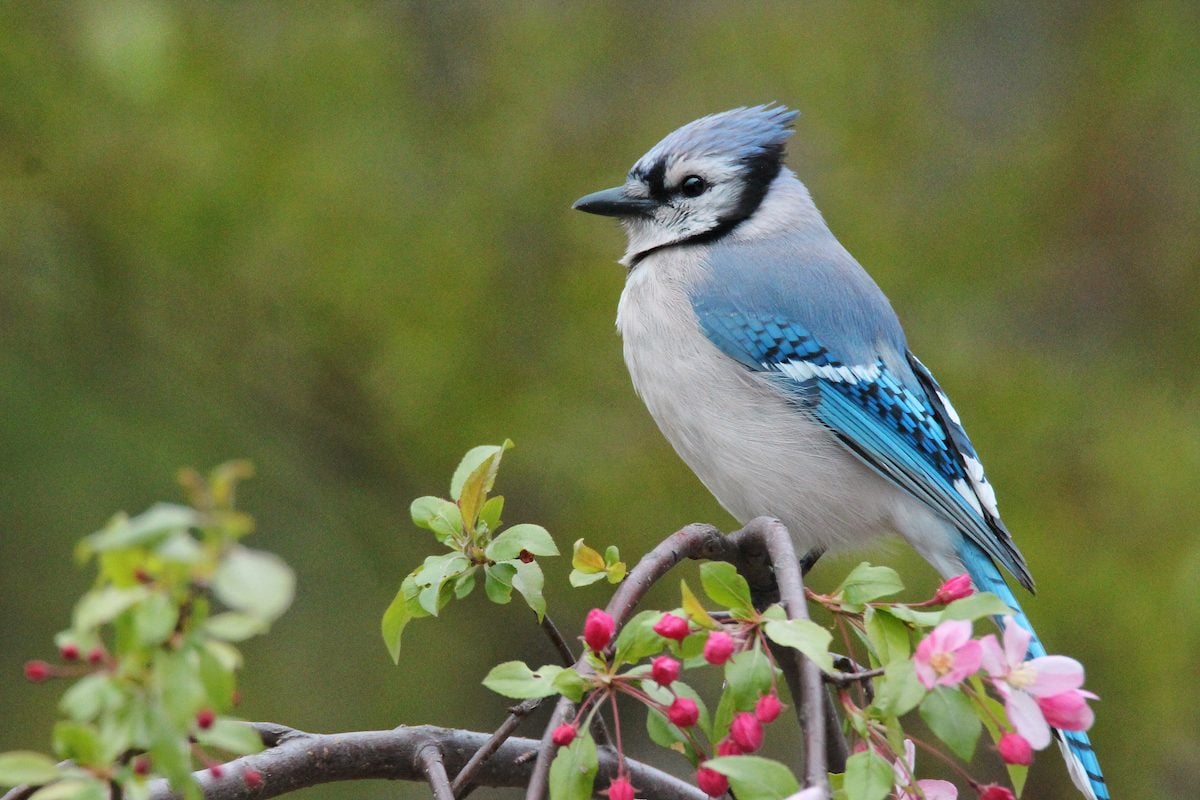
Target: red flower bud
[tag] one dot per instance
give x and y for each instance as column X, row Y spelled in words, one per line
column 672, row 627
column 1015, row 749
column 955, row 588
column 141, row 765
column 711, row 782
column 252, row 777
column 69, row 652
column 664, row 670
column 620, row 789
column 728, row 747
column 205, row 718
column 37, row 671
column 768, row 708
column 95, row 655
column 564, row 734
column 995, row 792
column 683, row 712
column 747, row 731
column 719, row 648
column 216, row 770
column 598, row 629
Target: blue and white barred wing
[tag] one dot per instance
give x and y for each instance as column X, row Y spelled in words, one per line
column 905, row 431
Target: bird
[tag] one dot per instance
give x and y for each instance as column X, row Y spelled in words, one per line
column 779, row 371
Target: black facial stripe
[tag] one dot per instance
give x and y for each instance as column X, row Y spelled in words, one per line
column 655, row 179
column 760, row 171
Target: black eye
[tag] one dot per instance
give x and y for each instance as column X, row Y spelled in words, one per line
column 693, row 186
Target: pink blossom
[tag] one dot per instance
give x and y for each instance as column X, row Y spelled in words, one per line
column 932, row 789
column 948, row 654
column 955, row 588
column 1037, row 692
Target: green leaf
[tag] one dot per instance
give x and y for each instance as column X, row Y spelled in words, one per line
column 925, row 619
column 950, row 714
column 254, row 581
column 529, row 581
column 614, row 567
column 89, row 696
column 888, row 635
column 755, row 777
column 78, row 742
column 155, row 522
column 975, row 606
column 573, row 771
column 474, row 478
column 216, row 675
column 19, row 767
column 73, row 789
column 578, row 579
column 748, row 676
column 869, row 776
column 511, row 542
column 498, row 582
column 899, row 691
column 804, row 635
column 725, row 587
column 570, row 684
column 489, row 515
column 101, row 606
column 154, row 619
column 866, row 583
column 637, row 638
column 231, row 736
column 437, row 515
column 694, row 609
column 465, row 584
column 515, row 679
column 393, row 623
column 585, row 559
column 235, row 626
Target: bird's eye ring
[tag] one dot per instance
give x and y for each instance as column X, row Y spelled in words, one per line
column 693, row 186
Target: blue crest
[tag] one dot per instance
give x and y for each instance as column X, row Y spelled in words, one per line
column 741, row 134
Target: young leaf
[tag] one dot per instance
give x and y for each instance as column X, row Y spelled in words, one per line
column 157, row 521
column 695, row 609
column 77, row 742
column 474, row 477
column 254, row 581
column 498, row 582
column 726, row 587
column 232, row 736
column 103, row 605
column 756, row 778
column 489, row 515
column 869, row 776
column 900, row 691
column 887, row 635
column 25, row 766
column 637, row 638
column 392, row 626
column 515, row 679
column 511, row 542
column 975, row 606
column 866, row 583
column 950, row 714
column 570, row 684
column 437, row 515
column 804, row 635
column 748, row 676
column 154, row 619
column 573, row 771
column 529, row 580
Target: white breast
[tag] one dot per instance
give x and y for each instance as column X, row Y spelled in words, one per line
column 757, row 453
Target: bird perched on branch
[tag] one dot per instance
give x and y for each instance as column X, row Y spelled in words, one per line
column 779, row 372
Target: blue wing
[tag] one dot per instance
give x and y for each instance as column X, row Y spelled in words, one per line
column 891, row 415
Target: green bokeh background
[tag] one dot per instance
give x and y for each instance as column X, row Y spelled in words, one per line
column 336, row 239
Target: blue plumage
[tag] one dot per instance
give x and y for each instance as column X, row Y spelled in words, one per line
column 778, row 370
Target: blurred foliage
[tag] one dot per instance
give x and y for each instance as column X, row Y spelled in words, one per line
column 336, row 239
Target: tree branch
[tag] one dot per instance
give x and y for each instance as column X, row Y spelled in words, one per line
column 298, row 759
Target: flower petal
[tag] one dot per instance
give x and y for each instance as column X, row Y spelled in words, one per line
column 938, row 790
column 1055, row 675
column 1027, row 718
column 1016, row 642
column 993, row 657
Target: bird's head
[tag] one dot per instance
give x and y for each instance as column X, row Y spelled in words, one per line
column 698, row 183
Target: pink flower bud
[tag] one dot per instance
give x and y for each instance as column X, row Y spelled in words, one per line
column 728, row 747
column 205, row 718
column 955, row 588
column 719, row 648
column 620, row 789
column 672, row 627
column 711, row 782
column 1015, row 749
column 747, row 731
column 69, row 652
column 37, row 671
column 683, row 712
column 768, row 708
column 995, row 792
column 1068, row 710
column 598, row 629
column 564, row 734
column 252, row 777
column 141, row 765
column 216, row 770
column 95, row 655
column 664, row 670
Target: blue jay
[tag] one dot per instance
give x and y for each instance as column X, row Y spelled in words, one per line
column 779, row 372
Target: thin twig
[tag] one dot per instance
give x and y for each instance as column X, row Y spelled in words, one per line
column 516, row 715
column 556, row 638
column 435, row 772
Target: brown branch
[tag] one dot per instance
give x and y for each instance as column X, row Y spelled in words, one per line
column 299, row 760
column 516, row 715
column 435, row 772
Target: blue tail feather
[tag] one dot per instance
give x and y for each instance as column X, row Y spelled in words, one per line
column 1081, row 759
